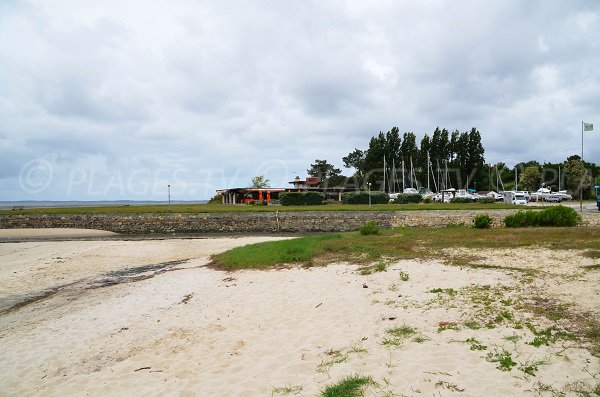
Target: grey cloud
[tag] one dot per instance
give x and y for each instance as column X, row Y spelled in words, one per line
column 224, row 90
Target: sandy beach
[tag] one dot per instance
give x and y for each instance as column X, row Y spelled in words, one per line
column 148, row 318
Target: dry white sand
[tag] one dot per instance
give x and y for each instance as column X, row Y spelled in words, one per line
column 54, row 232
column 193, row 331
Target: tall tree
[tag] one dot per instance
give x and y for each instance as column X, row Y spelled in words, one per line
column 475, row 159
column 421, row 163
column 356, row 160
column 531, row 178
column 409, row 152
column 393, row 157
column 408, row 147
column 260, row 182
column 374, row 162
column 576, row 175
column 323, row 170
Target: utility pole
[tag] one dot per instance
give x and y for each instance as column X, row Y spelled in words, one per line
column 581, row 179
column 169, row 195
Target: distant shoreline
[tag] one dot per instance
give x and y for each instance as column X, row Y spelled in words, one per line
column 89, row 203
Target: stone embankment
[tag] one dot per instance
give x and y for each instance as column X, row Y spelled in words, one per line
column 252, row 222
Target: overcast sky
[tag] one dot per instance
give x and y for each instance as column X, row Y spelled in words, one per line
column 117, row 99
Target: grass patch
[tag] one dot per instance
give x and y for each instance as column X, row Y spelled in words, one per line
column 449, row 291
column 474, row 325
column 531, row 367
column 369, row 228
column 401, row 243
column 446, row 325
column 268, row 254
column 549, row 335
column 475, row 344
column 398, row 335
column 335, row 357
column 591, row 267
column 350, row 386
column 378, row 267
column 503, row 359
column 594, row 254
column 285, row 390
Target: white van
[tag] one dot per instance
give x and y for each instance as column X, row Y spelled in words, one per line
column 518, row 198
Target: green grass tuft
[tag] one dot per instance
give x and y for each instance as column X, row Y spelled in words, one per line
column 504, row 360
column 268, row 254
column 350, row 386
column 369, row 228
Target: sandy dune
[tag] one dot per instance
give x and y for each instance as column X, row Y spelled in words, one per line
column 188, row 330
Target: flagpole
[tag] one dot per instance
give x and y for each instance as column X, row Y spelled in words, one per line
column 581, row 180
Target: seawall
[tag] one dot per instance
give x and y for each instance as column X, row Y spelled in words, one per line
column 253, row 222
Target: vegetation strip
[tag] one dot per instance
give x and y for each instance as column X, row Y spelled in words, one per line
column 399, row 243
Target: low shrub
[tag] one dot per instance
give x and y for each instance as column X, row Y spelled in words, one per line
column 404, row 198
column 217, row 199
column 362, row 197
column 521, row 219
column 552, row 216
column 461, row 200
column 482, row 222
column 369, row 228
column 558, row 215
column 487, row 200
column 301, row 198
column 428, row 200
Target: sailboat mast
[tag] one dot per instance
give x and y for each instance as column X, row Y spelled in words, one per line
column 384, row 173
column 497, row 184
column 499, row 177
column 403, row 184
column 438, row 173
column 393, row 175
column 428, row 171
column 434, row 184
column 446, row 184
column 411, row 173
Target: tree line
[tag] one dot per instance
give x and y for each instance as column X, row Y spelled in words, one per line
column 392, row 162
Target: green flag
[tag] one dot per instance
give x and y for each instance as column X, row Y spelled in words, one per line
column 588, row 127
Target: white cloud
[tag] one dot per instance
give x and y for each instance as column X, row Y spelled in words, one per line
column 208, row 94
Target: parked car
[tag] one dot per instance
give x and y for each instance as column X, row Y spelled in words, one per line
column 496, row 196
column 553, row 198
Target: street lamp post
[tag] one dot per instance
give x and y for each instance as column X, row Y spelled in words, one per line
column 169, row 195
column 369, row 186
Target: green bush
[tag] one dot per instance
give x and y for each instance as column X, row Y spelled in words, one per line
column 301, row 198
column 552, row 216
column 461, row 200
column 362, row 197
column 521, row 219
column 369, row 228
column 216, row 199
column 428, row 200
column 482, row 222
column 487, row 200
column 408, row 198
column 558, row 215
